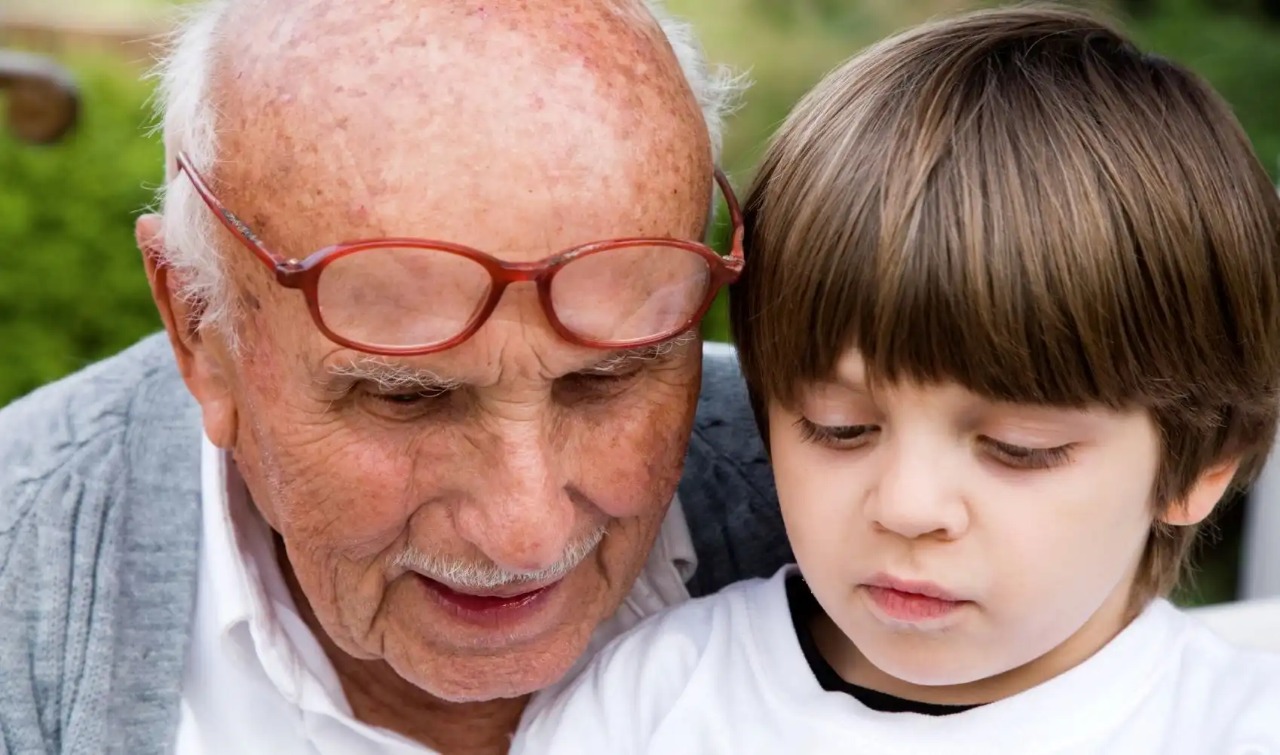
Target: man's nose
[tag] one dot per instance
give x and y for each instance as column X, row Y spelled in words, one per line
column 521, row 515
column 916, row 495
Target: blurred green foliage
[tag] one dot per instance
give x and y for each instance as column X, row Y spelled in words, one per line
column 71, row 282
column 72, row 288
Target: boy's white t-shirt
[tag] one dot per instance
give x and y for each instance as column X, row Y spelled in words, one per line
column 726, row 674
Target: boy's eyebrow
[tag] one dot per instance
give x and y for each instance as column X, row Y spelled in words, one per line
column 387, row 375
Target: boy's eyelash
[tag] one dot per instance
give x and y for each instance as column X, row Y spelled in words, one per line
column 1021, row 457
column 835, row 436
column 1008, row 454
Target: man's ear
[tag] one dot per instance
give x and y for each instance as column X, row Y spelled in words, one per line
column 1204, row 495
column 201, row 361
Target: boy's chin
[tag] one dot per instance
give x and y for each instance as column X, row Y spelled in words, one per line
column 935, row 664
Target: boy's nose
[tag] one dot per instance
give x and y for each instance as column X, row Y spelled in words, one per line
column 915, row 498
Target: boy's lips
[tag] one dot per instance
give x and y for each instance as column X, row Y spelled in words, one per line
column 909, row 601
column 912, row 587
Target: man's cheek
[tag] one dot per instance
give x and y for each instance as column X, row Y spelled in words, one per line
column 634, row 471
column 355, row 509
column 351, row 496
column 343, row 594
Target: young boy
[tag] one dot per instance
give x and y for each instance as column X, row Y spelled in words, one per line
column 1011, row 326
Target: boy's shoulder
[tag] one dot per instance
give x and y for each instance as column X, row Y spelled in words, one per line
column 1231, row 693
column 672, row 643
column 628, row 690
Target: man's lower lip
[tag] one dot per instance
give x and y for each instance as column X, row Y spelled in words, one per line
column 488, row 610
column 910, row 607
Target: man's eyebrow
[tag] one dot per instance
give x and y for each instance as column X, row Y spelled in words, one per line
column 620, row 360
column 389, row 376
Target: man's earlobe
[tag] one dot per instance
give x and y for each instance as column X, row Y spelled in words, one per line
column 200, row 361
column 1203, row 496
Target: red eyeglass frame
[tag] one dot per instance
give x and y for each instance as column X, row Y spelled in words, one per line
column 304, row 274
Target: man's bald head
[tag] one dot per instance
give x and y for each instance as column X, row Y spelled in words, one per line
column 302, row 99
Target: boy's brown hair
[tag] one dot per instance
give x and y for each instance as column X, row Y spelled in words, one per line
column 1021, row 201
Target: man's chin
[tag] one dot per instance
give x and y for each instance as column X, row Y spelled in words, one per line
column 466, row 652
column 514, row 673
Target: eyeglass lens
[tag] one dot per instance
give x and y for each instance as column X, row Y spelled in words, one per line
column 416, row 297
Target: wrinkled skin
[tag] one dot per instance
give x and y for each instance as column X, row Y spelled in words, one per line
column 519, row 128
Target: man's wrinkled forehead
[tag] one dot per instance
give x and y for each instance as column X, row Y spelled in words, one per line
column 377, row 117
column 517, row 128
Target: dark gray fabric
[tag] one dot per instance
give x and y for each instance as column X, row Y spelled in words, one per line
column 99, row 540
column 727, row 489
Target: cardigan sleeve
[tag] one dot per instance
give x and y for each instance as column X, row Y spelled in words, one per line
column 61, row 456
column 83, row 513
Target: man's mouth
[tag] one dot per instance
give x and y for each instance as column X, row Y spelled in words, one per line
column 512, row 591
column 490, row 607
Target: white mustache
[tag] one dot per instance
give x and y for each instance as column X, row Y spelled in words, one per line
column 489, row 576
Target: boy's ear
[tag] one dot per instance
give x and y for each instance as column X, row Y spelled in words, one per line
column 1204, row 495
column 199, row 360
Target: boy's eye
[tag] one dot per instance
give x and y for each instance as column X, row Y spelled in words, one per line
column 834, row 436
column 1022, row 457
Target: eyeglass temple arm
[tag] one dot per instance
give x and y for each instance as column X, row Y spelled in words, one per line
column 229, row 219
column 735, row 216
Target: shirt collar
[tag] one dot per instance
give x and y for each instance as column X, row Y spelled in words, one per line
column 675, row 543
column 237, row 547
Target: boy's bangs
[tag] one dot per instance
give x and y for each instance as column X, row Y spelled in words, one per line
column 1017, row 218
column 1008, row 257
column 981, row 316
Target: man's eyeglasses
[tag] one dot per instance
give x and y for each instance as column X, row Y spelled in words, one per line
column 406, row 296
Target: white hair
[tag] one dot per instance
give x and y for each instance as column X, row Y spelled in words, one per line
column 186, row 115
column 391, row 376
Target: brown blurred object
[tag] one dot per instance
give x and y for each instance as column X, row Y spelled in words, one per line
column 44, row 103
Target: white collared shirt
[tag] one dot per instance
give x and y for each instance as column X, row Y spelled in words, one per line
column 256, row 679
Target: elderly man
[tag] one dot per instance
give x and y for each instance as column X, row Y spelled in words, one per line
column 438, row 466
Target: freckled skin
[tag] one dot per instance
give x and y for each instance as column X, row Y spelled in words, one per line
column 519, row 128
